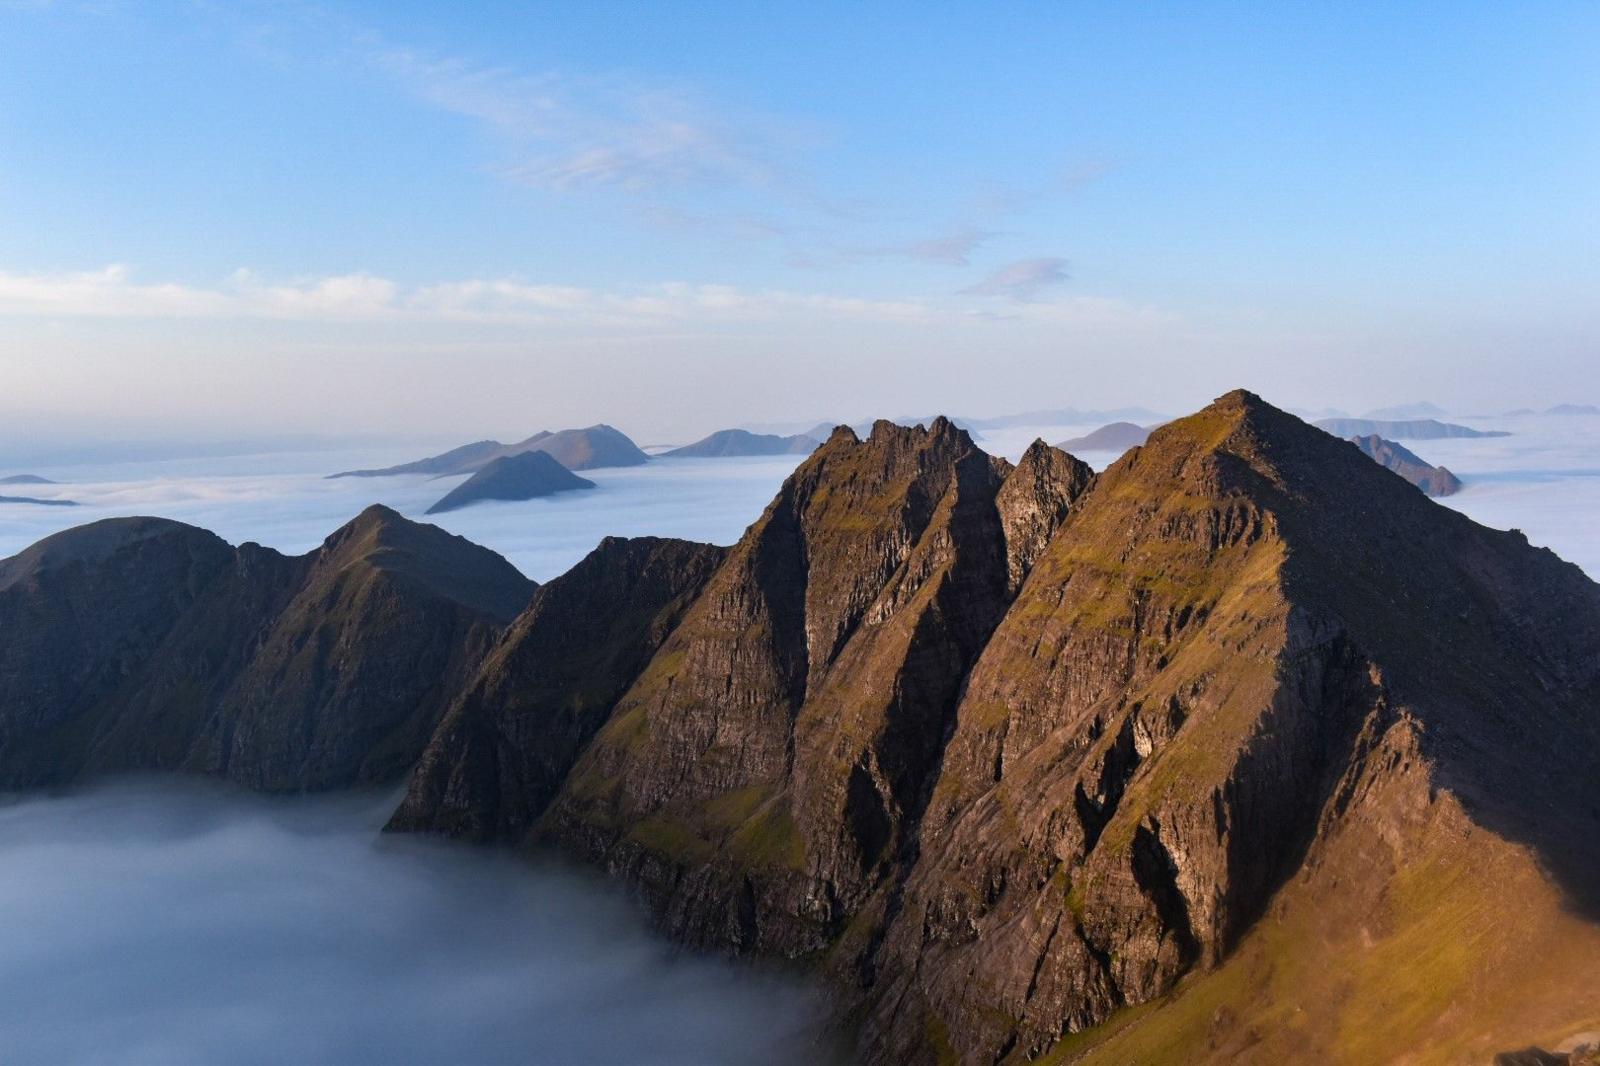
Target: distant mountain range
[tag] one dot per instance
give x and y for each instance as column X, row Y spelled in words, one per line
column 1115, row 437
column 25, row 479
column 1433, row 480
column 523, row 476
column 590, row 448
column 1414, row 429
column 728, row 443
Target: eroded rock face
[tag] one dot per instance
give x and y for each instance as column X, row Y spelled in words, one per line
column 147, row 644
column 779, row 749
column 509, row 740
column 1244, row 733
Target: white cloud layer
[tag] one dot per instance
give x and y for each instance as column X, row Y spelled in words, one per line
column 156, row 922
column 113, row 292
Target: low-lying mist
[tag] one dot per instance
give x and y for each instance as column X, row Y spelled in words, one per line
column 169, row 922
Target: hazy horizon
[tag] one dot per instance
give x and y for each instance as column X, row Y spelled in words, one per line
column 364, row 219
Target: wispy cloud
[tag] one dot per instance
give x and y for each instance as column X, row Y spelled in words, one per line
column 953, row 248
column 1023, row 280
column 112, row 292
column 567, row 133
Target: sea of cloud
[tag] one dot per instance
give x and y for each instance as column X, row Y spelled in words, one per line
column 169, row 922
column 1543, row 479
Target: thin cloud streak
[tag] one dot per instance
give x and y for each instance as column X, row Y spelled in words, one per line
column 568, row 134
column 1023, row 280
column 112, row 292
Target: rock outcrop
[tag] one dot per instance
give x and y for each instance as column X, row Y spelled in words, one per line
column 147, row 644
column 1432, row 480
column 509, row 741
column 527, row 476
column 1152, row 760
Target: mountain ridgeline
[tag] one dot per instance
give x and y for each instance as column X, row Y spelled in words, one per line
column 145, row 644
column 590, row 448
column 1242, row 748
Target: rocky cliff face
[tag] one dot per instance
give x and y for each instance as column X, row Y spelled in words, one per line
column 1210, row 689
column 147, row 644
column 1022, row 754
column 1242, row 748
column 510, row 739
column 778, row 749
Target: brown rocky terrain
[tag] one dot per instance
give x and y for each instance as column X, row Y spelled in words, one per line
column 147, row 644
column 1243, row 768
column 1243, row 749
column 510, row 739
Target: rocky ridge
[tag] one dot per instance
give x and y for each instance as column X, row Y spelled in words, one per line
column 1235, row 750
column 142, row 643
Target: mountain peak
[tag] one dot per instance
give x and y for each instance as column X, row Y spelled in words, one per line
column 523, row 476
column 449, row 566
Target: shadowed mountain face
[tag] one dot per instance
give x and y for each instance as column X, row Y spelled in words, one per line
column 510, row 739
column 1115, row 437
column 1241, row 748
column 728, row 443
column 1432, row 480
column 1015, row 751
column 782, row 738
column 512, row 477
column 147, row 644
column 1414, row 429
column 575, row 449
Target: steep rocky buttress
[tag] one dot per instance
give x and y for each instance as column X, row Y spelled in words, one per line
column 1242, row 749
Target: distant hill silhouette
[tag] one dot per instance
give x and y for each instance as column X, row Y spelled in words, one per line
column 512, row 477
column 589, row 448
column 1433, row 480
column 25, row 479
column 727, row 443
column 1116, row 437
column 1413, row 429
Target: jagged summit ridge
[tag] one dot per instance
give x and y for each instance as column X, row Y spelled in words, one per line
column 1224, row 752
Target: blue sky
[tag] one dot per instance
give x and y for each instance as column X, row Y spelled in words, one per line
column 490, row 217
